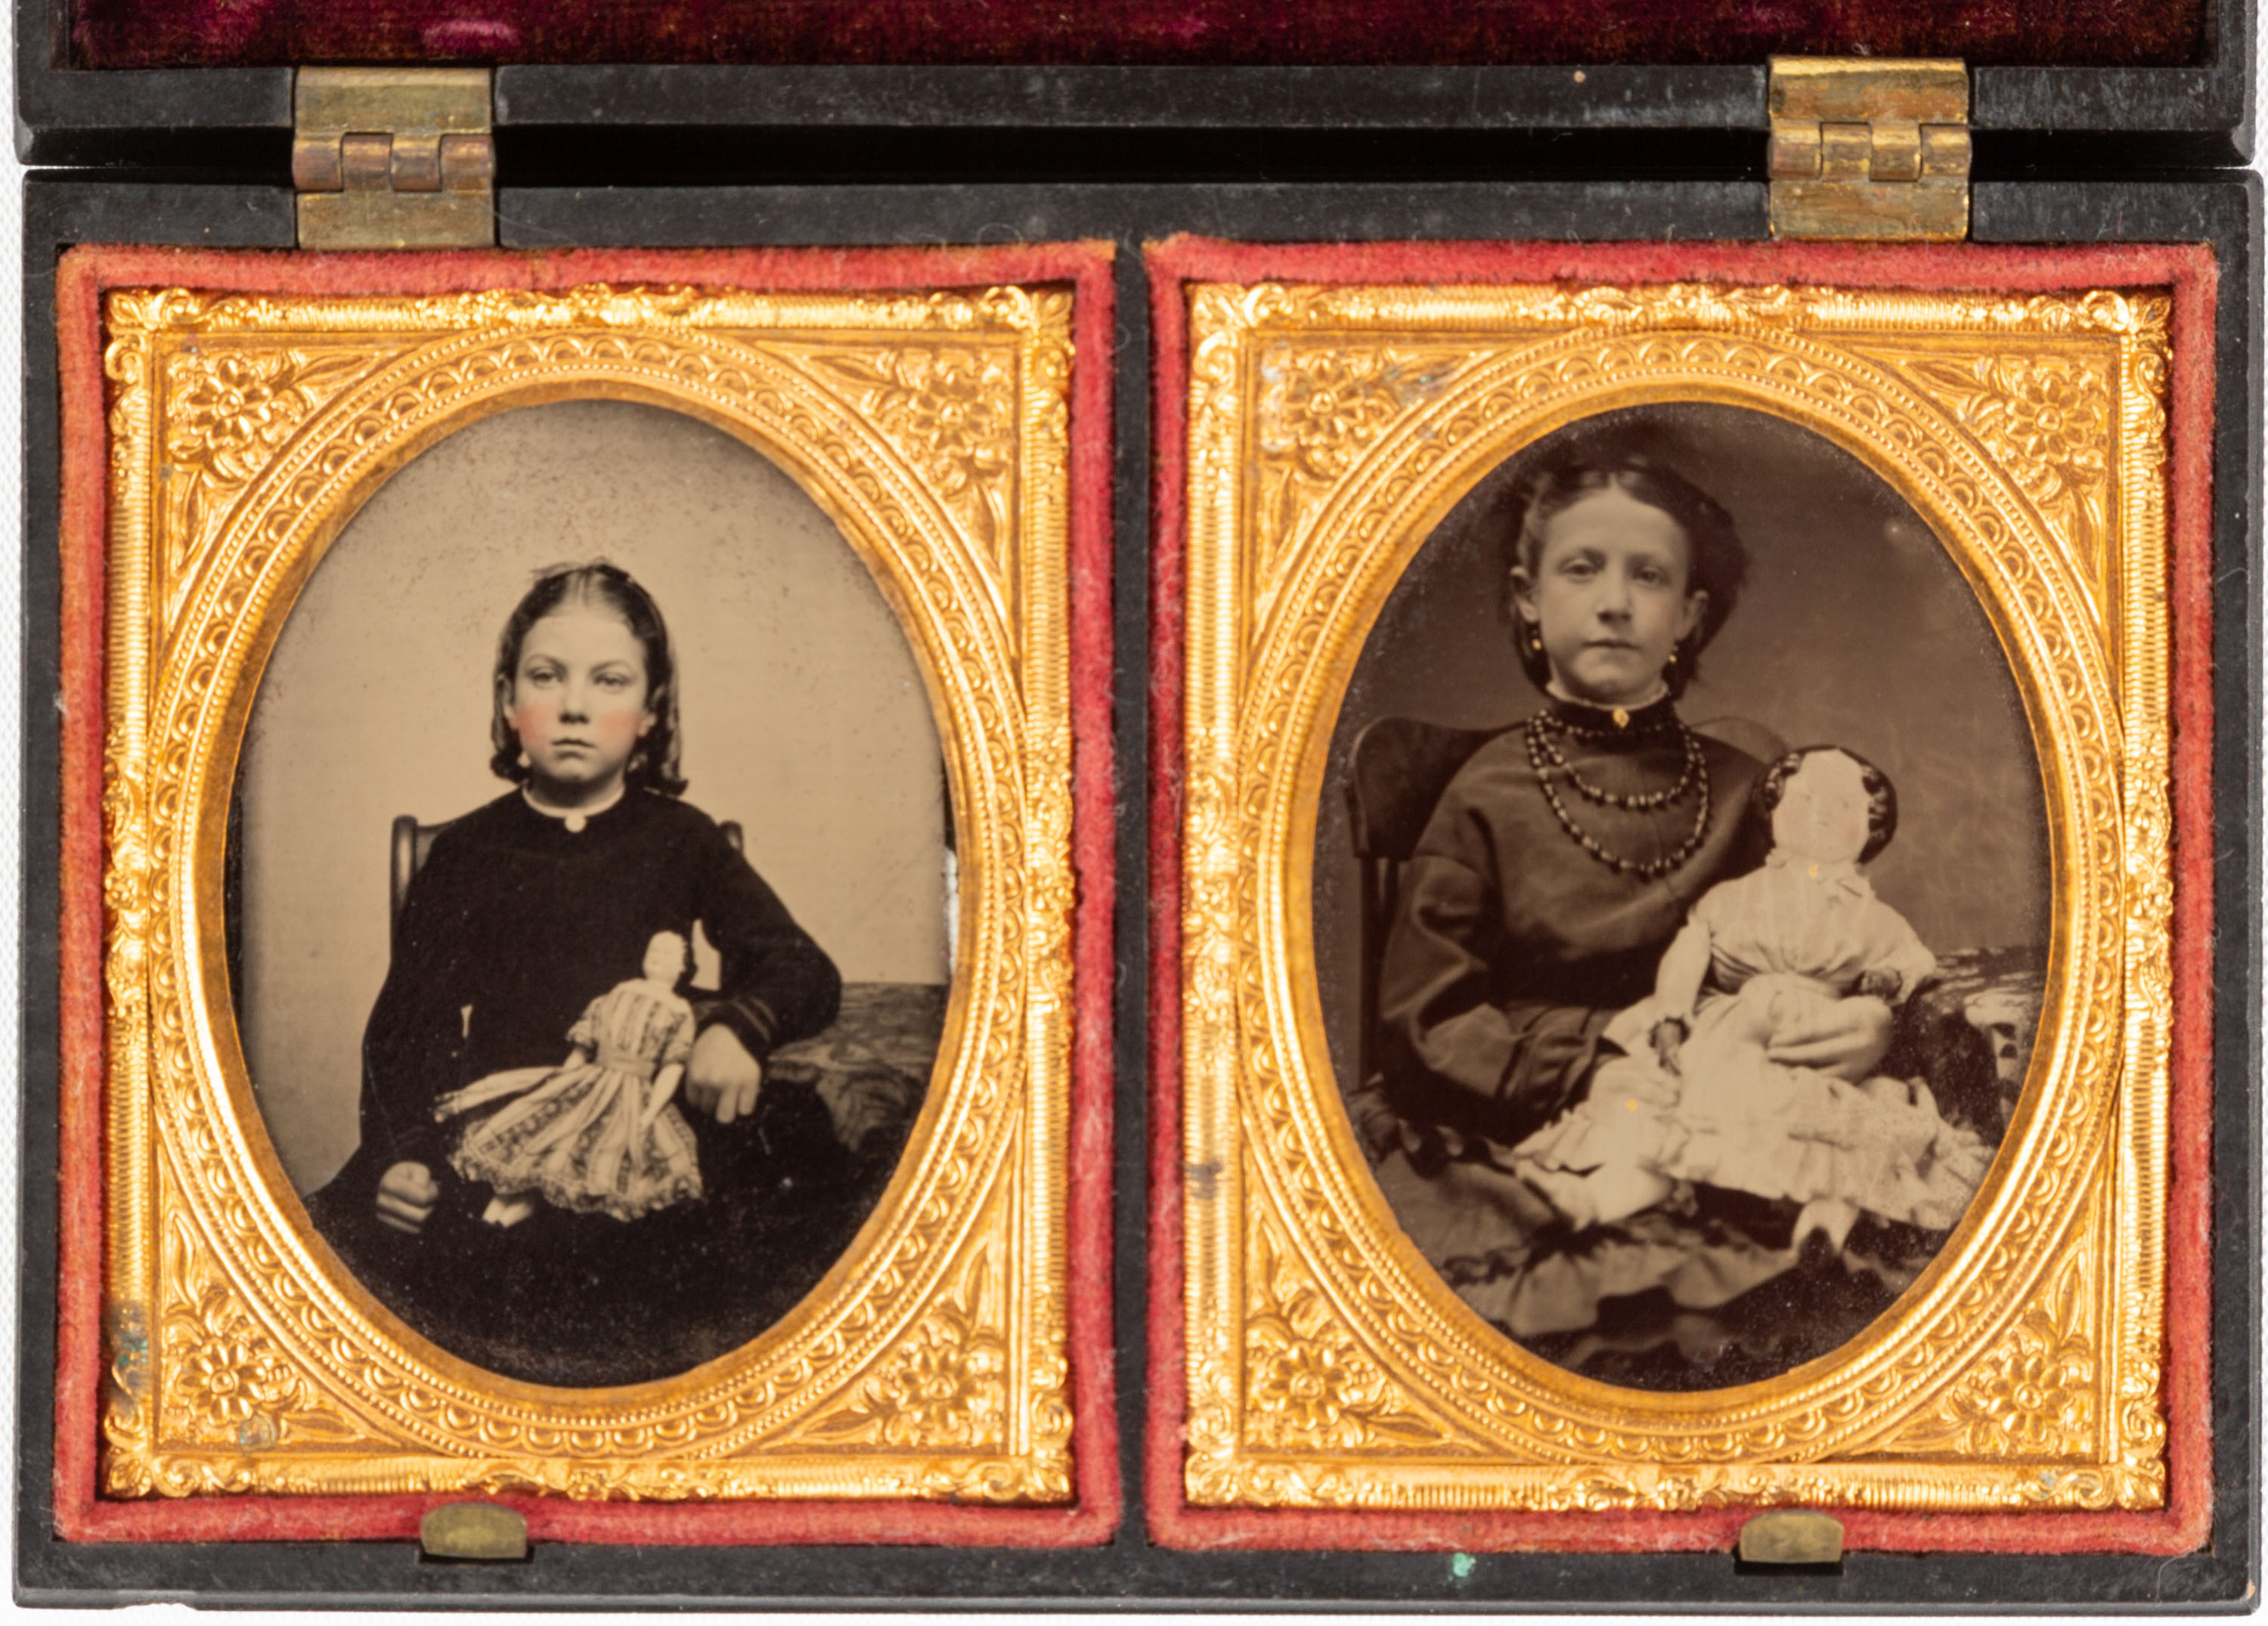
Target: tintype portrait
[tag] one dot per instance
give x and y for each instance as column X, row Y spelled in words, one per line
column 569, row 1154
column 1683, row 896
column 582, row 832
column 1673, row 915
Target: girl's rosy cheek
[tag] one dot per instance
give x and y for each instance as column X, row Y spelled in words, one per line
column 619, row 728
column 532, row 716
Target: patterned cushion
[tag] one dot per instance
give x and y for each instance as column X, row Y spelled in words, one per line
column 1968, row 1033
column 871, row 1068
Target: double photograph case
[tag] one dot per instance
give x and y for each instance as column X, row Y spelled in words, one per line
column 1262, row 826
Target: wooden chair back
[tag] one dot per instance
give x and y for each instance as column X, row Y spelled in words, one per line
column 1395, row 775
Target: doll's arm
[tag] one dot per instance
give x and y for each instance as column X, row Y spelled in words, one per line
column 1911, row 962
column 1903, row 964
column 665, row 1086
column 1677, row 990
column 1685, row 967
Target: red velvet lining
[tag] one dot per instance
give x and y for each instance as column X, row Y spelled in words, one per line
column 80, row 1514
column 2188, row 272
column 160, row 33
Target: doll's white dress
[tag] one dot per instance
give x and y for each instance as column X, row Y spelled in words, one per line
column 1785, row 942
column 590, row 1136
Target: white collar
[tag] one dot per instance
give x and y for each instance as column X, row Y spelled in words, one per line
column 573, row 818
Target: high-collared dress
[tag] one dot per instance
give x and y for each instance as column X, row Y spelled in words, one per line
column 515, row 924
column 1514, row 945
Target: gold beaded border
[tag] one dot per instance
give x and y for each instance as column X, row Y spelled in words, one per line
column 1299, row 522
column 244, row 430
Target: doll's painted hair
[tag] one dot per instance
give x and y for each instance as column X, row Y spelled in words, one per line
column 1882, row 795
column 1717, row 561
column 653, row 763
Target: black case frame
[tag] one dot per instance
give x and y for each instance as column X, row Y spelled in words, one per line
column 695, row 157
column 661, row 125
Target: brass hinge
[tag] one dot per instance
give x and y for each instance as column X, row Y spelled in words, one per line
column 1862, row 148
column 394, row 158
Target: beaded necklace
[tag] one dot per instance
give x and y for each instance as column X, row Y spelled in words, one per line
column 1551, row 762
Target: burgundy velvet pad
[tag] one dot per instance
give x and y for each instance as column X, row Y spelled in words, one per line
column 2189, row 273
column 80, row 1514
column 164, row 34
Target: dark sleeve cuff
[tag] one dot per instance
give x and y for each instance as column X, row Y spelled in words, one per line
column 1556, row 1049
column 750, row 1020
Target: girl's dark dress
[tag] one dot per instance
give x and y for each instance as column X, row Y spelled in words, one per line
column 515, row 924
column 1512, row 950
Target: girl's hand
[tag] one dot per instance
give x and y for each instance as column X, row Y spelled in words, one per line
column 722, row 1078
column 406, row 1195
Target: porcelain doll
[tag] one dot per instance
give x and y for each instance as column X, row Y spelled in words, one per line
column 1758, row 960
column 599, row 1133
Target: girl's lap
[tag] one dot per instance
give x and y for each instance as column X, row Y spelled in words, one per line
column 586, row 1300
column 1705, row 1292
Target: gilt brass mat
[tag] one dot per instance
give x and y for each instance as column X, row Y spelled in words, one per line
column 245, row 430
column 1330, row 428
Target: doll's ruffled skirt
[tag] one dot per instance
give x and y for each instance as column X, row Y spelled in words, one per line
column 1749, row 1124
column 580, row 1138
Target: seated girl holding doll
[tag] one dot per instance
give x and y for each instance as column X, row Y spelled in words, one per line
column 519, row 936
column 1556, row 870
column 1698, row 1098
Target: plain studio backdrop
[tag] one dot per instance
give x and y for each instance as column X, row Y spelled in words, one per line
column 1856, row 629
column 803, row 715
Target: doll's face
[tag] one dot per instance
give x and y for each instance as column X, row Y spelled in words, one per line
column 1824, row 809
column 665, row 959
column 577, row 700
column 1611, row 597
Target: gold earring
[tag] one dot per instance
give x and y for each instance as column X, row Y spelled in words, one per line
column 1673, row 659
column 1536, row 640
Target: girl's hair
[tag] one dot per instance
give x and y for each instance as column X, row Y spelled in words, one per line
column 1882, row 795
column 653, row 763
column 1717, row 560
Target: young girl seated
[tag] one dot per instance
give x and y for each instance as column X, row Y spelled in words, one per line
column 598, row 1133
column 1704, row 1096
column 527, row 911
